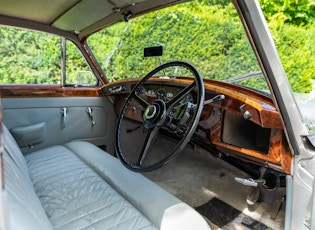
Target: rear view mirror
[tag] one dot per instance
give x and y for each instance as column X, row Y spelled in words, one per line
column 153, row 51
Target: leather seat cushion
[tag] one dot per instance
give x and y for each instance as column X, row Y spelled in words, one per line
column 75, row 197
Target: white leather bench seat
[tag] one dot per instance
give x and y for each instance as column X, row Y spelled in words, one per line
column 79, row 186
column 75, row 197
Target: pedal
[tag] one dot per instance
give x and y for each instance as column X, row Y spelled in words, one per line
column 250, row 182
column 276, row 207
column 253, row 194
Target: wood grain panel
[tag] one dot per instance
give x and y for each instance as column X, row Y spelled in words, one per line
column 261, row 106
column 36, row 91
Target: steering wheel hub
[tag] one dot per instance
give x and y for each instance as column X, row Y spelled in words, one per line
column 150, row 112
column 153, row 114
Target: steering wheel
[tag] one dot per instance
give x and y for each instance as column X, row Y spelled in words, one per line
column 157, row 116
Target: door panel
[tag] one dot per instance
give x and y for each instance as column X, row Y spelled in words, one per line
column 62, row 127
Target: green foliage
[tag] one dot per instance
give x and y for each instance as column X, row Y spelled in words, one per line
column 35, row 58
column 297, row 53
column 292, row 23
column 296, row 12
column 28, row 57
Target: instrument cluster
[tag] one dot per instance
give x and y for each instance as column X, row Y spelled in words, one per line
column 163, row 93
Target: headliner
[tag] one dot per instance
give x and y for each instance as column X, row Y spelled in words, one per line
column 80, row 17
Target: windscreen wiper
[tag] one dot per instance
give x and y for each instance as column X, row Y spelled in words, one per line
column 244, row 77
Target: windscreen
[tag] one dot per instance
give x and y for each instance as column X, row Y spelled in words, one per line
column 209, row 36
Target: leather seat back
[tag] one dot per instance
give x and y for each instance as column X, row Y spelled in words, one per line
column 23, row 208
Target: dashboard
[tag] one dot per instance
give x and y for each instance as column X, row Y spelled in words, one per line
column 245, row 124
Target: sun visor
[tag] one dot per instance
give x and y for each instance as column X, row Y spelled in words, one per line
column 83, row 14
column 88, row 16
column 88, row 12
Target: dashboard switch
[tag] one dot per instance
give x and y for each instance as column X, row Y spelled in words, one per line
column 246, row 114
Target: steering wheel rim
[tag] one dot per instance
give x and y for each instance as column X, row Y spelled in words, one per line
column 155, row 115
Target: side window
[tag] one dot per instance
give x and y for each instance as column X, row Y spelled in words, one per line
column 29, row 57
column 78, row 71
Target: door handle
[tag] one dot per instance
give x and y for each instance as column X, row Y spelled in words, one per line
column 89, row 111
column 63, row 112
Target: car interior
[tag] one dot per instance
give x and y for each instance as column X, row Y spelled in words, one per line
column 165, row 149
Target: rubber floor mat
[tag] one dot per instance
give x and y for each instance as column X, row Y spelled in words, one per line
column 227, row 217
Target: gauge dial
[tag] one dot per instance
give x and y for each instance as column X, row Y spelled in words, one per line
column 161, row 94
column 188, row 98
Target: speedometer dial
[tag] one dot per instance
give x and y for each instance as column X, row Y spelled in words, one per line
column 161, row 94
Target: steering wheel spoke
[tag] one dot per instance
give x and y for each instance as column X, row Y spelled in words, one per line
column 141, row 101
column 151, row 135
column 180, row 95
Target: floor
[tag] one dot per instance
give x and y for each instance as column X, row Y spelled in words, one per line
column 207, row 184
